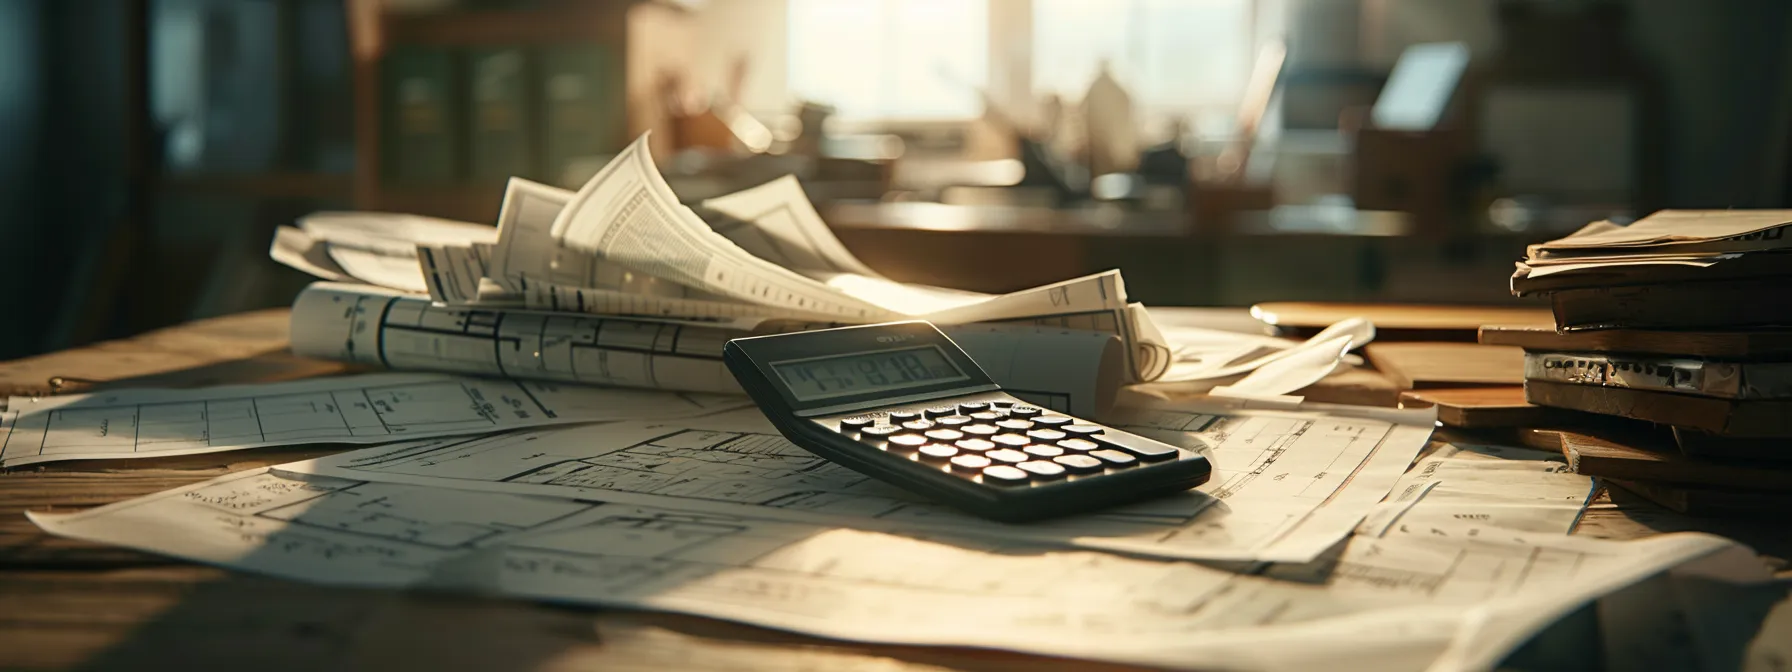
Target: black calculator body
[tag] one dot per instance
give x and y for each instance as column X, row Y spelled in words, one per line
column 900, row 402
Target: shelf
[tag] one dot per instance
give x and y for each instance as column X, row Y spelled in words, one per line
column 602, row 21
column 263, row 185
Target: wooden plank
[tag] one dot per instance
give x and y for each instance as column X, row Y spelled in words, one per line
column 1758, row 344
column 1416, row 365
column 1487, row 407
column 1660, row 461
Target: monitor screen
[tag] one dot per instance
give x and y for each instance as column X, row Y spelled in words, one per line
column 1421, row 86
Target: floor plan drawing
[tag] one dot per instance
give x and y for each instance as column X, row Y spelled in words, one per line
column 356, row 409
column 1403, row 596
column 1299, row 485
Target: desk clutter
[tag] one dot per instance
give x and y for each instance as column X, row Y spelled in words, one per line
column 1664, row 367
column 1678, row 321
column 558, row 424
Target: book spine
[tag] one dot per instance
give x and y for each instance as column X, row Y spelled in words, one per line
column 421, row 117
column 1729, row 380
column 501, row 144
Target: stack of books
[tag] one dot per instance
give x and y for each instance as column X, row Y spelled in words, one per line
column 1684, row 320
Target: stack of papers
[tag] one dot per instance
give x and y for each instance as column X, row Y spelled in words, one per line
column 1667, row 246
column 621, row 284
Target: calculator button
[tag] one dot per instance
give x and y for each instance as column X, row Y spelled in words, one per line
column 1083, row 430
column 986, row 416
column 1008, row 455
column 880, row 431
column 937, row 452
column 1025, row 411
column 1047, row 435
column 918, row 425
column 1041, row 450
column 970, row 463
column 940, row 411
column 970, row 407
column 1079, row 445
column 1151, row 452
column 1079, row 464
column 980, row 429
column 857, row 423
column 1016, row 425
column 1003, row 474
column 1042, row 470
column 1115, row 458
column 1011, row 440
column 974, row 445
column 904, row 416
column 907, row 442
column 952, row 421
column 1053, row 420
column 945, row 435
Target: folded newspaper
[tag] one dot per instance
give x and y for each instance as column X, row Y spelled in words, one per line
column 619, row 283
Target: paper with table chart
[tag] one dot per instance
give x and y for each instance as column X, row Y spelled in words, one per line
column 1409, row 600
column 777, row 222
column 1071, row 370
column 351, row 409
column 1499, row 486
column 1285, row 486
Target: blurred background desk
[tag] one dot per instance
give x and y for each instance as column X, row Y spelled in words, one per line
column 1286, row 253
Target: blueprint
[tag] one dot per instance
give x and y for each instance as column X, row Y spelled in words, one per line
column 375, row 408
column 1459, row 597
column 1074, row 370
column 1286, row 487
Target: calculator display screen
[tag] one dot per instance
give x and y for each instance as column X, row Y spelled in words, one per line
column 866, row 373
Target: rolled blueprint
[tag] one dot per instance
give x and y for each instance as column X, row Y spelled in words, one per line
column 1070, row 370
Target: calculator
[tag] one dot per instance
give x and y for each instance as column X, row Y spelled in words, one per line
column 900, row 402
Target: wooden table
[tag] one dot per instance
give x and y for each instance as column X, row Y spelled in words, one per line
column 71, row 603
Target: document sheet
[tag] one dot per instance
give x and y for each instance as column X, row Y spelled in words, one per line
column 1500, row 486
column 785, row 229
column 352, row 409
column 1285, row 487
column 1072, row 370
column 1443, row 598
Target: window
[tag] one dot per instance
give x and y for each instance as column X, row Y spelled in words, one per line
column 1176, row 57
column 926, row 59
column 890, row 59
